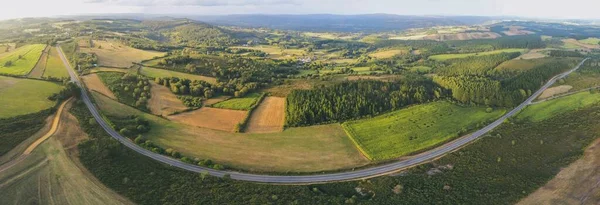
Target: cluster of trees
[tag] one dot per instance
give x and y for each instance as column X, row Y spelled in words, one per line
column 249, row 52
column 350, row 100
column 130, row 126
column 131, row 89
column 200, row 34
column 479, row 45
column 563, row 53
column 84, row 60
column 181, row 86
column 476, row 65
column 505, row 92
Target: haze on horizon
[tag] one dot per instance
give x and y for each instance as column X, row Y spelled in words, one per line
column 574, row 9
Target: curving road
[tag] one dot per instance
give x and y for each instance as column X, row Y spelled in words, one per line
column 311, row 179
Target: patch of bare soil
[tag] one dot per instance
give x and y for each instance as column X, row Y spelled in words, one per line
column 93, row 82
column 555, row 91
column 268, row 117
column 212, row 118
column 579, row 183
column 163, row 101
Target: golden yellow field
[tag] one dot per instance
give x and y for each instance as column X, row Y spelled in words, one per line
column 555, row 91
column 211, row 118
column 115, row 54
column 268, row 117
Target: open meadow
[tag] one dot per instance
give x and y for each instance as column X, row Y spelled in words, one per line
column 115, row 54
column 23, row 96
column 155, row 72
column 93, row 82
column 162, row 101
column 40, row 67
column 548, row 109
column 54, row 65
column 243, row 103
column 415, row 128
column 388, row 53
column 268, row 117
column 306, row 149
column 22, row 60
column 277, row 52
column 443, row 57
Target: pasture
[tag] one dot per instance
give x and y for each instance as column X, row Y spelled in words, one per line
column 115, row 54
column 306, row 149
column 6, row 48
column 243, row 103
column 548, row 109
column 22, row 60
column 211, row 118
column 388, row 53
column 268, row 117
column 54, row 65
column 591, row 41
column 154, row 72
column 40, row 67
column 416, row 128
column 24, row 96
column 162, row 101
column 444, row 57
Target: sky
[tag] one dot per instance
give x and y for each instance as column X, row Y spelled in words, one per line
column 584, row 9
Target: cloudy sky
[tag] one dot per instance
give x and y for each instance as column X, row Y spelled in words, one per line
column 524, row 8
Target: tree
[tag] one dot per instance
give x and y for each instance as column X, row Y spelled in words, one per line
column 8, row 64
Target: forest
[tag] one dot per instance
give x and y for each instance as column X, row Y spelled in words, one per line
column 352, row 100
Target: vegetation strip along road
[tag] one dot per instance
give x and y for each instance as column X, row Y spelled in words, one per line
column 311, row 179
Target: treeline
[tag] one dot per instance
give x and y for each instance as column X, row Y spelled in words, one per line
column 476, row 65
column 198, row 88
column 563, row 53
column 505, row 93
column 350, row 100
column 478, row 45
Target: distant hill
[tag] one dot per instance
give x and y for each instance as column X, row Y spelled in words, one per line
column 342, row 23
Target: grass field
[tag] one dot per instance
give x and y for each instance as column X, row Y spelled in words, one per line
column 415, row 128
column 307, row 149
column 556, row 90
column 243, row 103
column 154, row 72
column 268, row 117
column 421, row 69
column 93, row 82
column 388, row 53
column 162, row 101
column 23, row 59
column 53, row 175
column 545, row 110
column 115, row 54
column 581, row 81
column 444, row 57
column 591, row 41
column 22, row 96
column 54, row 65
column 276, row 52
column 40, row 67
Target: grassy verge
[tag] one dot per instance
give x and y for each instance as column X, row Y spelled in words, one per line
column 415, row 128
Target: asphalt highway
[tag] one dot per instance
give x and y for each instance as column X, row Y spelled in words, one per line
column 318, row 178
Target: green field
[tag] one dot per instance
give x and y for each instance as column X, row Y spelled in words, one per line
column 548, row 109
column 415, row 128
column 421, row 69
column 243, row 103
column 154, row 72
column 591, row 41
column 22, row 96
column 54, row 66
column 444, row 57
column 23, row 59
